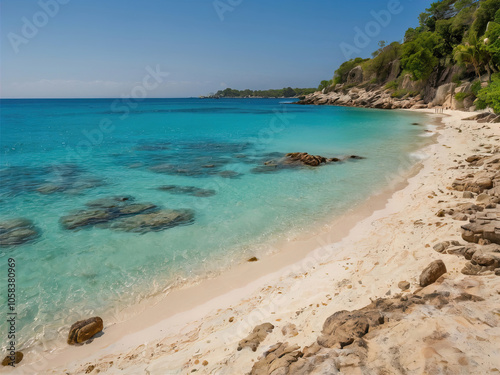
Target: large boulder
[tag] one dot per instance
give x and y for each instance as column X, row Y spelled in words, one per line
column 432, row 272
column 343, row 327
column 443, row 92
column 84, row 330
column 277, row 360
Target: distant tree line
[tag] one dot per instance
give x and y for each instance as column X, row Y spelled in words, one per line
column 286, row 92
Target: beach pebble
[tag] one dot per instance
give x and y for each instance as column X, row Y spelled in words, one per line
column 404, row 285
column 15, row 359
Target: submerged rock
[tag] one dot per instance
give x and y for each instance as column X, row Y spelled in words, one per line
column 229, row 174
column 187, row 190
column 16, row 232
column 84, row 330
column 154, row 221
column 110, row 202
column 85, row 218
column 104, row 210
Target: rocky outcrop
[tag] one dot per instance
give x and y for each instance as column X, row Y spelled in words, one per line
column 299, row 159
column 343, row 327
column 355, row 76
column 306, row 159
column 84, row 330
column 258, row 335
column 484, row 117
column 16, row 232
column 344, row 343
column 437, row 90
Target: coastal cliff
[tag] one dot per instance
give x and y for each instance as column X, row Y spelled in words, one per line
column 451, row 61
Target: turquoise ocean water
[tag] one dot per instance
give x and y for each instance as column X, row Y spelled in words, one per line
column 57, row 155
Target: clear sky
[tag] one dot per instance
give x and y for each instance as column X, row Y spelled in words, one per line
column 103, row 48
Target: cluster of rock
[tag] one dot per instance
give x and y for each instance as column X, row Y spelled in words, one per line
column 371, row 97
column 341, row 346
column 298, row 159
column 344, row 343
column 482, row 233
column 121, row 213
column 58, row 178
column 359, row 91
column 17, row 231
column 484, row 117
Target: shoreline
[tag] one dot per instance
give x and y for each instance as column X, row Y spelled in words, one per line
column 194, row 300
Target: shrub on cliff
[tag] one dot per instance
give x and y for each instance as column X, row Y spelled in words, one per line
column 490, row 95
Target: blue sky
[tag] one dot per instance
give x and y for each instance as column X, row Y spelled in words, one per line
column 96, row 48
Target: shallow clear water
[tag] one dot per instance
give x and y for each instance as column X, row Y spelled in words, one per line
column 57, row 155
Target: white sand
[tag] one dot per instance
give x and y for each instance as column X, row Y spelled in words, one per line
column 345, row 271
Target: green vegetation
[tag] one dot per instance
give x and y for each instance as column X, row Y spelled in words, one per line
column 490, row 95
column 463, row 35
column 325, row 84
column 461, row 96
column 286, row 92
column 342, row 72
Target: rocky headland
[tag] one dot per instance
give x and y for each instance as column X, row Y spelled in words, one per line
column 439, row 91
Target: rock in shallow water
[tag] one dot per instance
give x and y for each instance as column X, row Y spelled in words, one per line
column 297, row 160
column 123, row 214
column 154, row 221
column 187, row 190
column 16, row 232
column 84, row 330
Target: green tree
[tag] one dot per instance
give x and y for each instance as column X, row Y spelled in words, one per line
column 484, row 14
column 492, row 43
column 288, row 92
column 325, row 84
column 490, row 95
column 474, row 53
column 420, row 56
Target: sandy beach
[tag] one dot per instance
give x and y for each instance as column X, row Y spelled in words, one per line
column 343, row 266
